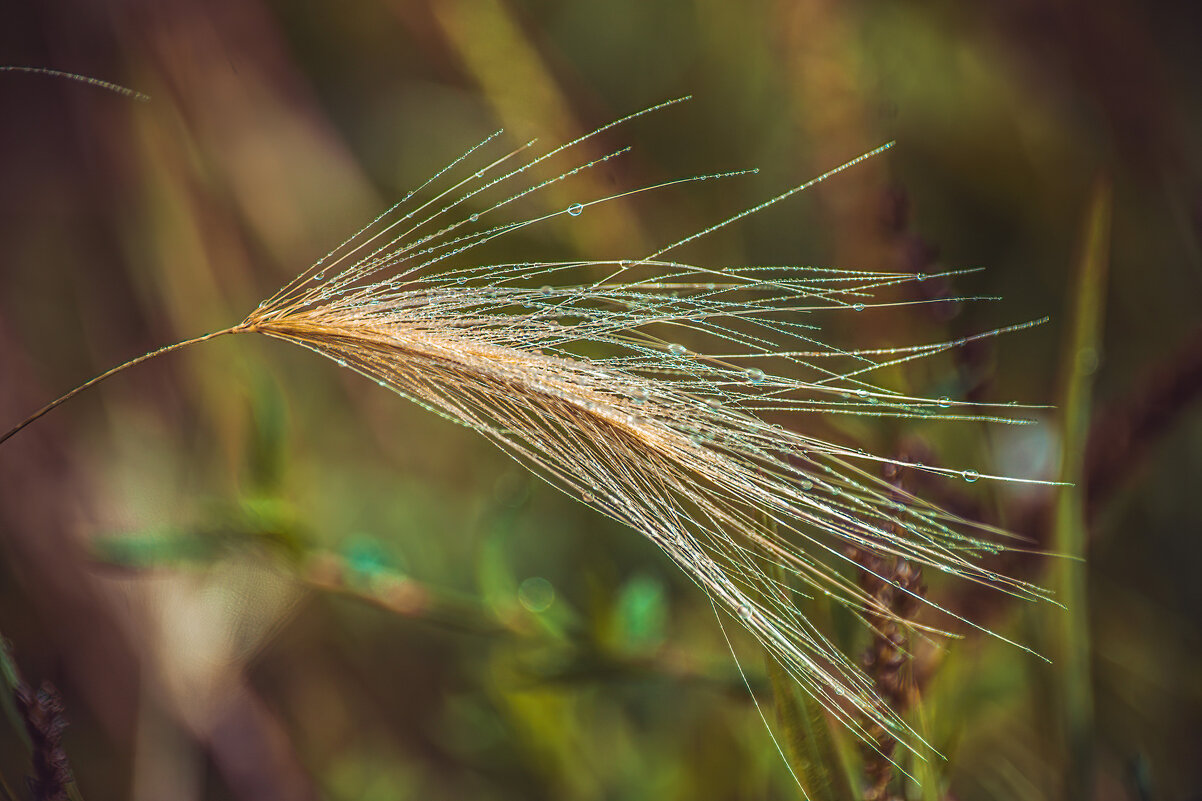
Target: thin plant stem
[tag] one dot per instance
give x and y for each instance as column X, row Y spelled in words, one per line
column 1072, row 635
column 72, row 76
column 145, row 357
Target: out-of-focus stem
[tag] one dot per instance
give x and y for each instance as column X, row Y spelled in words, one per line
column 1071, row 645
column 810, row 748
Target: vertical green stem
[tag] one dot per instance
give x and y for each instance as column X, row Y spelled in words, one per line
column 810, row 745
column 1071, row 644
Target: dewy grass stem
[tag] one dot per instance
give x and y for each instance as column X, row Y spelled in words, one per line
column 143, row 358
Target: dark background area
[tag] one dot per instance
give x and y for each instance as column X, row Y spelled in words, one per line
column 251, row 575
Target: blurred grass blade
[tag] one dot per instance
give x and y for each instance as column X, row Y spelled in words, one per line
column 925, row 770
column 11, row 678
column 809, row 743
column 1071, row 646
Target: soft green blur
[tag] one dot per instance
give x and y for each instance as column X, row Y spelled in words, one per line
column 254, row 575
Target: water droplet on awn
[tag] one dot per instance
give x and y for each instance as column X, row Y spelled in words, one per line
column 575, row 209
column 755, row 375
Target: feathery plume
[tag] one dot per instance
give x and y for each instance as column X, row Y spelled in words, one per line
column 639, row 388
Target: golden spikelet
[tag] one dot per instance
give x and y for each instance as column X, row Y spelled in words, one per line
column 641, row 393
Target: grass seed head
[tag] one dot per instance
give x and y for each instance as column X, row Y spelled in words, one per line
column 641, row 387
column 665, row 430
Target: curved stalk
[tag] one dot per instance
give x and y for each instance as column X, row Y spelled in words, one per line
column 114, row 371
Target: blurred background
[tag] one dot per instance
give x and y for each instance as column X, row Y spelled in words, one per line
column 250, row 575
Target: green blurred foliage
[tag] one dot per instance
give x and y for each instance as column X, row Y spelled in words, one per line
column 253, row 575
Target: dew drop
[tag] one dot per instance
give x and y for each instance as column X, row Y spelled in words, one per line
column 536, row 594
column 575, row 209
column 587, row 497
column 713, row 403
column 806, row 485
column 920, row 277
column 745, row 612
column 971, row 475
column 755, row 375
column 944, row 402
column 676, row 349
column 640, row 395
column 320, row 276
column 474, row 217
column 858, row 307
